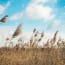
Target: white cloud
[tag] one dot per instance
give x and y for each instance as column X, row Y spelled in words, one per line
column 3, row 8
column 38, row 12
column 35, row 11
column 16, row 16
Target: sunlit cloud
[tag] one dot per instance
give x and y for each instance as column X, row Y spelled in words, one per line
column 34, row 11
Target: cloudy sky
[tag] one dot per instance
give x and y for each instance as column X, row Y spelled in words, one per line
column 45, row 15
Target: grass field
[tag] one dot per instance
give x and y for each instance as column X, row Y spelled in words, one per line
column 31, row 53
column 43, row 56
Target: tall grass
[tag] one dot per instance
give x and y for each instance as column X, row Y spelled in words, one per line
column 36, row 39
column 30, row 53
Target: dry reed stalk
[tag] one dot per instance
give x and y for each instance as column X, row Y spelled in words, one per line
column 59, row 43
column 63, row 44
column 11, row 45
column 40, row 38
column 47, row 44
column 26, row 45
column 20, row 40
column 17, row 31
column 31, row 42
column 36, row 34
column 36, row 40
column 16, row 46
column 42, row 34
column 34, row 30
column 7, row 42
column 34, row 44
column 53, row 40
column 55, row 35
column 7, row 39
column 33, row 38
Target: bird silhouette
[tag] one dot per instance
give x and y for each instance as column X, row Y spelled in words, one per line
column 4, row 19
column 17, row 31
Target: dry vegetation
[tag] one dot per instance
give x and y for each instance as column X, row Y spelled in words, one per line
column 30, row 53
column 44, row 56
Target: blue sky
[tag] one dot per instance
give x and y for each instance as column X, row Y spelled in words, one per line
column 30, row 20
column 45, row 15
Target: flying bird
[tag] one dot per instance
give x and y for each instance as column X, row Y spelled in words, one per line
column 17, row 31
column 4, row 19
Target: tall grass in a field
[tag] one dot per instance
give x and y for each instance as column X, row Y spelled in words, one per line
column 30, row 53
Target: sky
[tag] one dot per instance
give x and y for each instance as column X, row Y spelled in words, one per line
column 44, row 15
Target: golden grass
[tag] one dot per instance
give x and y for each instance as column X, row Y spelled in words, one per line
column 30, row 53
column 43, row 56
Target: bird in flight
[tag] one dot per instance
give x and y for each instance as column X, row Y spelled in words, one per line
column 4, row 19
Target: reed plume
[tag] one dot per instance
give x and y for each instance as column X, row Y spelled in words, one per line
column 34, row 30
column 47, row 44
column 4, row 19
column 53, row 40
column 17, row 31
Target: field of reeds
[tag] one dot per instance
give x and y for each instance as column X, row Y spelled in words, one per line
column 31, row 53
column 43, row 56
